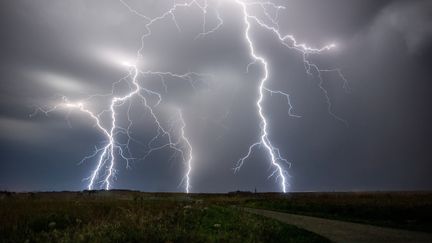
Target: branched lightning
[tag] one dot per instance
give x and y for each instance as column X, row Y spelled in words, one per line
column 164, row 138
column 290, row 42
column 107, row 154
column 174, row 137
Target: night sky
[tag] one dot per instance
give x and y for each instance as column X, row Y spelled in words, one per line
column 72, row 48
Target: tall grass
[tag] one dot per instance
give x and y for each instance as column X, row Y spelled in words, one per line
column 78, row 218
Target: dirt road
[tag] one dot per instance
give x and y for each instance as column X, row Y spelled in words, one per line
column 341, row 231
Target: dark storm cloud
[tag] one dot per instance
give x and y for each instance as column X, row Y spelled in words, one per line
column 52, row 48
column 412, row 22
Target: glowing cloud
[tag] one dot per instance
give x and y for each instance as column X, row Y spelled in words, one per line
column 176, row 139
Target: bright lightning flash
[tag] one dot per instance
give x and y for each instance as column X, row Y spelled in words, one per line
column 274, row 153
column 179, row 143
column 107, row 154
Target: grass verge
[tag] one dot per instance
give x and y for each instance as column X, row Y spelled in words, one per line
column 156, row 219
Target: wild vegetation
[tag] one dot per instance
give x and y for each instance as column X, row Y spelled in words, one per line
column 136, row 217
column 405, row 210
column 129, row 216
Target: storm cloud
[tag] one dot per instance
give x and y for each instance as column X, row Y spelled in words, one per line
column 73, row 48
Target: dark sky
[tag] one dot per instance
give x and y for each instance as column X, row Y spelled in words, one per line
column 73, row 48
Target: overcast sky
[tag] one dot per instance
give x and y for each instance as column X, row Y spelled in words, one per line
column 74, row 48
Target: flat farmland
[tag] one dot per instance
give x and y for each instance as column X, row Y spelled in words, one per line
column 132, row 216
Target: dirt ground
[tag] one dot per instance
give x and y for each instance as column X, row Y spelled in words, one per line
column 340, row 231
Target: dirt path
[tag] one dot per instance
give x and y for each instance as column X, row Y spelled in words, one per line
column 340, row 231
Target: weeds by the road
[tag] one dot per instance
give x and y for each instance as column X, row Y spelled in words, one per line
column 406, row 210
column 137, row 219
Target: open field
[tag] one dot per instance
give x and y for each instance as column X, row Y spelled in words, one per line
column 344, row 231
column 136, row 217
column 128, row 216
column 404, row 210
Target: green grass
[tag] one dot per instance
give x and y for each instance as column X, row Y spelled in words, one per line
column 405, row 210
column 137, row 218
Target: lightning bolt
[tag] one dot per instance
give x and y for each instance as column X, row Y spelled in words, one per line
column 189, row 149
column 276, row 159
column 107, row 154
column 175, row 138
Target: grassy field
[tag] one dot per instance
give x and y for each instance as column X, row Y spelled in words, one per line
column 405, row 210
column 121, row 216
column 128, row 216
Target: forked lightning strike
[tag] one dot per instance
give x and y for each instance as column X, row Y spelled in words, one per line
column 179, row 142
column 276, row 159
column 107, row 154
